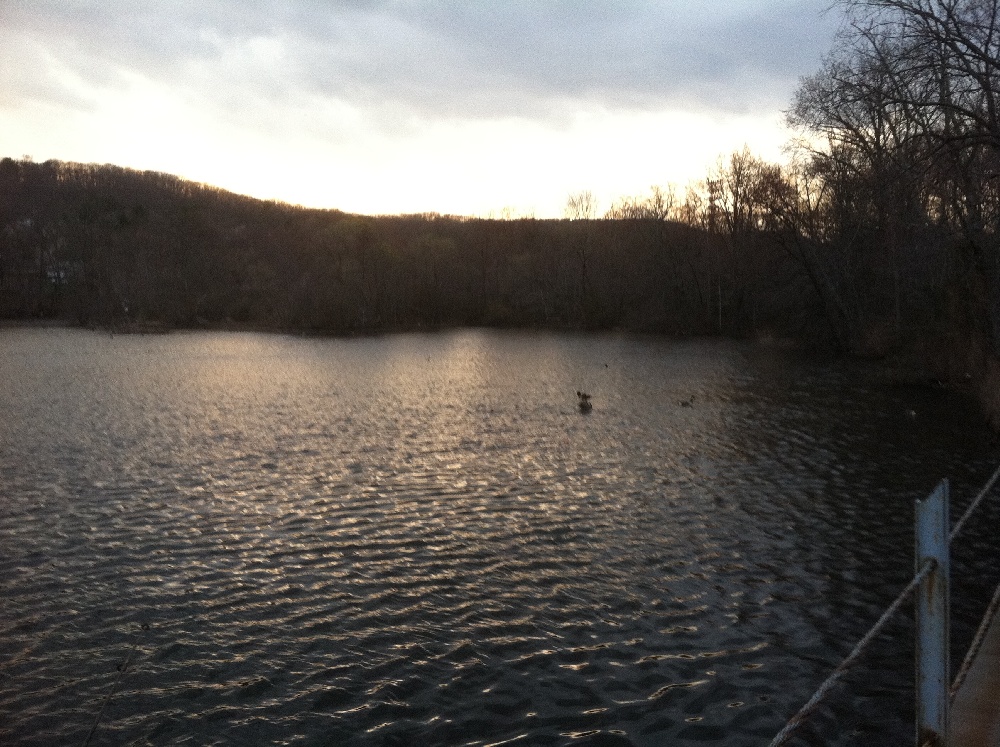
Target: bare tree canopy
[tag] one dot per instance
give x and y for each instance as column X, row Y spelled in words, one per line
column 907, row 68
column 902, row 149
column 581, row 206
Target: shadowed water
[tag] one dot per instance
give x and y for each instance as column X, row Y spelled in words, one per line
column 420, row 539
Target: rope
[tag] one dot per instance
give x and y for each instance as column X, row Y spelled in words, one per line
column 114, row 687
column 960, row 524
column 799, row 718
column 991, row 610
column 977, row 643
column 813, row 703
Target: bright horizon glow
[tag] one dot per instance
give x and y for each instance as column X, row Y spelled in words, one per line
column 399, row 110
column 472, row 168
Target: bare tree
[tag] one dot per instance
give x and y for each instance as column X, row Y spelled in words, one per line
column 907, row 110
column 581, row 206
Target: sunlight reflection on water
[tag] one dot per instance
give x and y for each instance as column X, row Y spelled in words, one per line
column 419, row 538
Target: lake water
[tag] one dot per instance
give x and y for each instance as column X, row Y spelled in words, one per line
column 420, row 539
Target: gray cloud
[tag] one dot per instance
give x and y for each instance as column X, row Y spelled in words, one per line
column 426, row 59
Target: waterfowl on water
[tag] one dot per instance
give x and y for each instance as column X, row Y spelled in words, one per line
column 584, row 401
column 689, row 402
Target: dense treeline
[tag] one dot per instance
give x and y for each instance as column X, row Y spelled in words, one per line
column 899, row 183
column 111, row 246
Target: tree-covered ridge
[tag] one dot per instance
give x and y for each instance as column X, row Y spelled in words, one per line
column 107, row 245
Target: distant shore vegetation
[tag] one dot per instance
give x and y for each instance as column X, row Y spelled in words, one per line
column 108, row 246
column 880, row 237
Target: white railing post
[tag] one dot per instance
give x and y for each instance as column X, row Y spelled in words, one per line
column 932, row 619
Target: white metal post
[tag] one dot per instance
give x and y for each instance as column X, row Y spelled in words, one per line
column 932, row 619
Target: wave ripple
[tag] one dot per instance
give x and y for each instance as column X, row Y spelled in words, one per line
column 419, row 539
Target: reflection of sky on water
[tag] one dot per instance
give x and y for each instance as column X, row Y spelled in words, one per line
column 420, row 537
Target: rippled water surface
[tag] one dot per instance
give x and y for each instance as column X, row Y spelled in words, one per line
column 420, row 539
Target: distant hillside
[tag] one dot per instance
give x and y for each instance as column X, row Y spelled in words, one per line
column 112, row 246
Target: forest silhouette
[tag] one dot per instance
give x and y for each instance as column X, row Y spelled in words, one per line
column 107, row 246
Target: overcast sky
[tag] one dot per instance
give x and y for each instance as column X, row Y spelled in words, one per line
column 464, row 107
